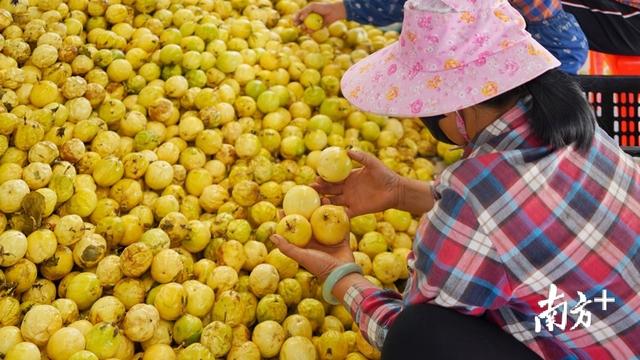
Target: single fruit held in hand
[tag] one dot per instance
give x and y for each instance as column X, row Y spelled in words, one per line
column 296, row 229
column 330, row 224
column 314, row 21
column 301, row 200
column 334, row 165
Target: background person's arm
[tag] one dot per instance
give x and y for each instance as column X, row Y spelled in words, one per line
column 375, row 12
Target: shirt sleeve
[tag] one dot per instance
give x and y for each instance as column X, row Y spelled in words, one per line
column 537, row 10
column 563, row 37
column 454, row 265
column 375, row 12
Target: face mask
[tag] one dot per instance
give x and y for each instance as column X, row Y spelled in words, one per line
column 462, row 128
column 433, row 124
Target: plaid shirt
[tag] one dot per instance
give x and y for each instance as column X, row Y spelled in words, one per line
column 515, row 217
column 537, row 10
column 632, row 3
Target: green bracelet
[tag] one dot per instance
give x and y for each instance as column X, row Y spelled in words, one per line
column 336, row 275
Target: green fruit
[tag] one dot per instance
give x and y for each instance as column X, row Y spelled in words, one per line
column 268, row 101
column 363, row 224
column 84, row 289
column 271, row 307
column 195, row 351
column 187, row 330
column 104, row 340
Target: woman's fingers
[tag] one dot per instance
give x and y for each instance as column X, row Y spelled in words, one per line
column 292, row 251
column 341, row 201
column 315, row 245
column 317, row 261
column 363, row 158
column 302, row 14
column 326, row 188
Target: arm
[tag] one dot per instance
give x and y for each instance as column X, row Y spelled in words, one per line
column 372, row 308
column 374, row 187
column 376, row 12
column 415, row 196
column 455, row 266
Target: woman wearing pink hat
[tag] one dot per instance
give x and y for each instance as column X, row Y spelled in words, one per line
column 558, row 31
column 536, row 229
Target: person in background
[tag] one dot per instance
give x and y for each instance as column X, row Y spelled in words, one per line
column 536, row 229
column 552, row 27
column 611, row 26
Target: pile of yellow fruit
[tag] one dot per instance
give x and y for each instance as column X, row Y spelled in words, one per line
column 146, row 147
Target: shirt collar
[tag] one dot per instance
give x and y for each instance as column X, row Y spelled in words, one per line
column 490, row 136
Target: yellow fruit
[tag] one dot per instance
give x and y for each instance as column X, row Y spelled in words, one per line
column 330, row 224
column 64, row 343
column 148, row 151
column 301, row 200
column 295, row 229
column 334, row 165
column 298, row 347
column 314, row 21
column 449, row 153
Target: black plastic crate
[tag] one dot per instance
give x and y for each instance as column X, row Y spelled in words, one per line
column 616, row 103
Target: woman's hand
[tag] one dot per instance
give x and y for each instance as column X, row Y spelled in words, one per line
column 369, row 189
column 318, row 259
column 330, row 12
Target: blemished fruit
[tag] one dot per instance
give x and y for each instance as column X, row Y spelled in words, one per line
column 334, row 165
column 148, row 151
column 141, row 322
column 296, row 229
column 332, row 345
column 330, row 224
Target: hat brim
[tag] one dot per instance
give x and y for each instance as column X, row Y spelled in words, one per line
column 384, row 84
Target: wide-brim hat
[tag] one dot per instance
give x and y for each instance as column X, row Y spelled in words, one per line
column 451, row 54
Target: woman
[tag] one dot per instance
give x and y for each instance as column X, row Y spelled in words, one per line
column 543, row 205
column 557, row 30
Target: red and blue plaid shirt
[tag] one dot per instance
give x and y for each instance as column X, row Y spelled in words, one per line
column 632, row 3
column 537, row 10
column 515, row 217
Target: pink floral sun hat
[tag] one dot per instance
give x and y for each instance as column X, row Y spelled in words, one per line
column 451, row 54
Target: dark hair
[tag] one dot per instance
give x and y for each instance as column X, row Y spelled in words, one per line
column 560, row 115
